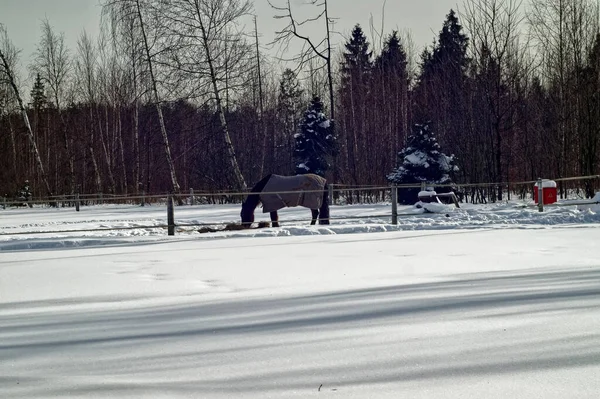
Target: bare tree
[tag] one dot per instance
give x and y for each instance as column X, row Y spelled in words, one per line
column 210, row 53
column 121, row 11
column 260, row 99
column 563, row 33
column 53, row 63
column 108, row 74
column 132, row 50
column 290, row 104
column 126, row 36
column 85, row 68
column 494, row 26
column 7, row 107
column 8, row 60
column 311, row 49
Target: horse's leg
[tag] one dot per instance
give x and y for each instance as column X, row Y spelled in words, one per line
column 274, row 219
column 315, row 215
column 324, row 211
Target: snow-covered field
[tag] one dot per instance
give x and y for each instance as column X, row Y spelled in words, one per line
column 495, row 301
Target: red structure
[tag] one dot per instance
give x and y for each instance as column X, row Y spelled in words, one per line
column 550, row 193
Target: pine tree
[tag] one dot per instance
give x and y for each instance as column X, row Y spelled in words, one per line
column 315, row 143
column 357, row 57
column 391, row 82
column 38, row 94
column 289, row 112
column 393, row 53
column 452, row 45
column 290, row 91
column 440, row 95
column 421, row 161
column 356, row 71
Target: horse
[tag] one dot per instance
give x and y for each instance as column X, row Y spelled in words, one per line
column 276, row 192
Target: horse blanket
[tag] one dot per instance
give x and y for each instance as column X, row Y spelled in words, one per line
column 290, row 191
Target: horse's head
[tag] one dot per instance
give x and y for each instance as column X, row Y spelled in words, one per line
column 247, row 215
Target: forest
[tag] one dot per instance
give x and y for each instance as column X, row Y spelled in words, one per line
column 180, row 94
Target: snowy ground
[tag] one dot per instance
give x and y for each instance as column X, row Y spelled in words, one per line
column 496, row 301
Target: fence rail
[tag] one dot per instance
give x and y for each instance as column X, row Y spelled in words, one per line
column 237, row 196
column 343, row 194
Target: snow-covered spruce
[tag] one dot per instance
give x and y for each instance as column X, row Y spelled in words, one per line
column 314, row 141
column 422, row 161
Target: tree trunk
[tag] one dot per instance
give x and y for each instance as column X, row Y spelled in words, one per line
column 97, row 176
column 121, row 148
column 136, row 147
column 334, row 160
column 163, row 129
column 111, row 177
column 13, row 144
column 261, row 127
column 67, row 145
column 34, row 147
column 237, row 173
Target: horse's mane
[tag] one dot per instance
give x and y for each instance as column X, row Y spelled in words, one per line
column 258, row 187
column 252, row 200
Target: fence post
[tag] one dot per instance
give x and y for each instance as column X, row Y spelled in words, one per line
column 192, row 199
column 330, row 194
column 170, row 216
column 143, row 198
column 4, row 203
column 540, row 195
column 394, row 204
column 77, row 201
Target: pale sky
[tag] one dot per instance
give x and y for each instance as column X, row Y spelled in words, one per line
column 423, row 18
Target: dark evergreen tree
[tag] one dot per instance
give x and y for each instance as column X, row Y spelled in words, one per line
column 452, row 45
column 25, row 193
column 390, row 98
column 315, row 143
column 290, row 94
column 356, row 68
column 289, row 112
column 441, row 92
column 393, row 55
column 421, row 161
column 38, row 94
column 357, row 57
column 448, row 56
column 492, row 105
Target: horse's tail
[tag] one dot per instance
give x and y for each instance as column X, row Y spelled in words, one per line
column 324, row 210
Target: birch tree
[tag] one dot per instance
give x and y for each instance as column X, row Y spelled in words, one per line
column 211, row 53
column 52, row 61
column 106, row 72
column 126, row 37
column 143, row 12
column 85, row 67
column 7, row 107
column 8, row 62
